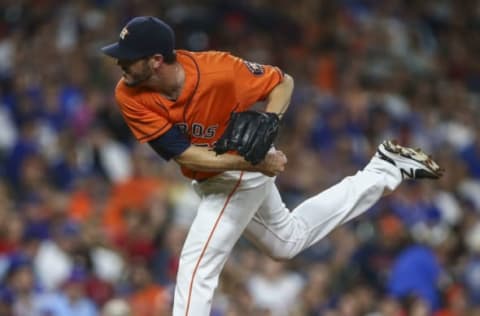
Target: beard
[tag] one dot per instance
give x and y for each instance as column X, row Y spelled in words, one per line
column 135, row 79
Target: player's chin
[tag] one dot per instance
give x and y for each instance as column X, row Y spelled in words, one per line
column 133, row 81
column 130, row 81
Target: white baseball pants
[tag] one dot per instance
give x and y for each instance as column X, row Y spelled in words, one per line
column 236, row 202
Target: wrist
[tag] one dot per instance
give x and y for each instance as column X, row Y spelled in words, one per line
column 277, row 115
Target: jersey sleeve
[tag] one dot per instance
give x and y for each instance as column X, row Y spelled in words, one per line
column 171, row 144
column 144, row 123
column 253, row 81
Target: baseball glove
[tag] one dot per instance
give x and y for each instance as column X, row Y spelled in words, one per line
column 250, row 133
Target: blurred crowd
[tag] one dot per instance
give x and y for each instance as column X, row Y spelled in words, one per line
column 92, row 223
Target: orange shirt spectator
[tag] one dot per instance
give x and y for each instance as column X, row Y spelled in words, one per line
column 135, row 194
column 152, row 300
column 81, row 206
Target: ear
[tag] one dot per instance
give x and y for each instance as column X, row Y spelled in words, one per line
column 156, row 61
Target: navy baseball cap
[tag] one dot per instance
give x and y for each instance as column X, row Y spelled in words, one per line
column 141, row 37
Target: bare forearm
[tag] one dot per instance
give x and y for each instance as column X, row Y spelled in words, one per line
column 203, row 159
column 279, row 98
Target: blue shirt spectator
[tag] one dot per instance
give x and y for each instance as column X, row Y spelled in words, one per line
column 416, row 272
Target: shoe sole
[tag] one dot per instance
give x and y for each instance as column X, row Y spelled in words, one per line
column 434, row 170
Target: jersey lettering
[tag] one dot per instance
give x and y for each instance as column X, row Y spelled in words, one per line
column 183, row 127
column 198, row 130
column 210, row 131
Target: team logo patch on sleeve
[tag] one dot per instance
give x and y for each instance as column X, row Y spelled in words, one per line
column 254, row 68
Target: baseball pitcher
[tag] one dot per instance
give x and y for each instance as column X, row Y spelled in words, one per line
column 195, row 108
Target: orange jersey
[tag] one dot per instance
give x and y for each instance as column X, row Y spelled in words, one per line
column 216, row 84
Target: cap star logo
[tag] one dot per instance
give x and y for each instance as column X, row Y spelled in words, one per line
column 123, row 33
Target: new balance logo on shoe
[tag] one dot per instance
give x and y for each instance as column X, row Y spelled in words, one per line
column 413, row 163
column 406, row 174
